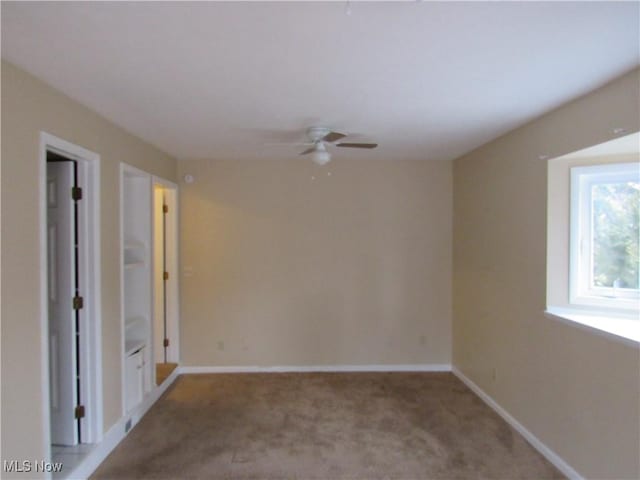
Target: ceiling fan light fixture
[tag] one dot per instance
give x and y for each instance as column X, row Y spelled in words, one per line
column 321, row 158
column 320, row 155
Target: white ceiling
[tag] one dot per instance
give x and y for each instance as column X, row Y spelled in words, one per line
column 427, row 80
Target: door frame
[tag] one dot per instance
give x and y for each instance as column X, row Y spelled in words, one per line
column 173, row 320
column 88, row 164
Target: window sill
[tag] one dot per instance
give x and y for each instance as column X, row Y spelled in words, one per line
column 622, row 328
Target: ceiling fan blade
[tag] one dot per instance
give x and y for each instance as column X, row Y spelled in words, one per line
column 357, row 145
column 333, row 137
column 308, row 150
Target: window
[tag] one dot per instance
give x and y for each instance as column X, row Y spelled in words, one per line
column 593, row 197
column 605, row 236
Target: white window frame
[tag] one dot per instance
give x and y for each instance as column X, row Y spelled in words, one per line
column 581, row 291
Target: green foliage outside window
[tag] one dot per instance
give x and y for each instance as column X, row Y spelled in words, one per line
column 616, row 235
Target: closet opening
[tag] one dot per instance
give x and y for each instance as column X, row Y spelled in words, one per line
column 165, row 275
column 69, row 246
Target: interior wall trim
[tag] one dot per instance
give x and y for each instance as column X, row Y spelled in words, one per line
column 535, row 442
column 427, row 367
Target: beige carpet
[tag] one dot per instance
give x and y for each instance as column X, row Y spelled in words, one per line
column 323, row 426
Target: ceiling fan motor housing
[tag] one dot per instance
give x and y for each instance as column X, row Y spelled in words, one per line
column 316, row 134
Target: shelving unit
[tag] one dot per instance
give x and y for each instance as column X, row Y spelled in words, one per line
column 134, row 254
column 135, row 215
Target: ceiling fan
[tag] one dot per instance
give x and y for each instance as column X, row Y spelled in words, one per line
column 320, row 137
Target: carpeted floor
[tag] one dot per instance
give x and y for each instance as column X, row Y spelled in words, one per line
column 323, row 426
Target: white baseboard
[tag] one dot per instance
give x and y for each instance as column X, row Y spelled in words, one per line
column 117, row 432
column 535, row 442
column 429, row 367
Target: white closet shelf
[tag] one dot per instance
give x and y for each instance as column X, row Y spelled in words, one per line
column 134, row 244
column 130, row 346
column 135, row 264
column 133, row 322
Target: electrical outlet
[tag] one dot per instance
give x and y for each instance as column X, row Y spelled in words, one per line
column 494, row 374
column 220, row 345
column 423, row 340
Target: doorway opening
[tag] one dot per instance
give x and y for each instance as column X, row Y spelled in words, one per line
column 166, row 339
column 70, row 322
column 64, row 292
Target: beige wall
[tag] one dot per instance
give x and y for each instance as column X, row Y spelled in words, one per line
column 28, row 107
column 280, row 269
column 575, row 390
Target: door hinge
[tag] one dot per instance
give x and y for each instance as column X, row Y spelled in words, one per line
column 78, row 303
column 165, row 208
column 79, row 411
column 166, row 342
column 165, row 276
column 76, row 193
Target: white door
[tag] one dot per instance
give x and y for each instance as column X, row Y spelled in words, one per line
column 61, row 290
